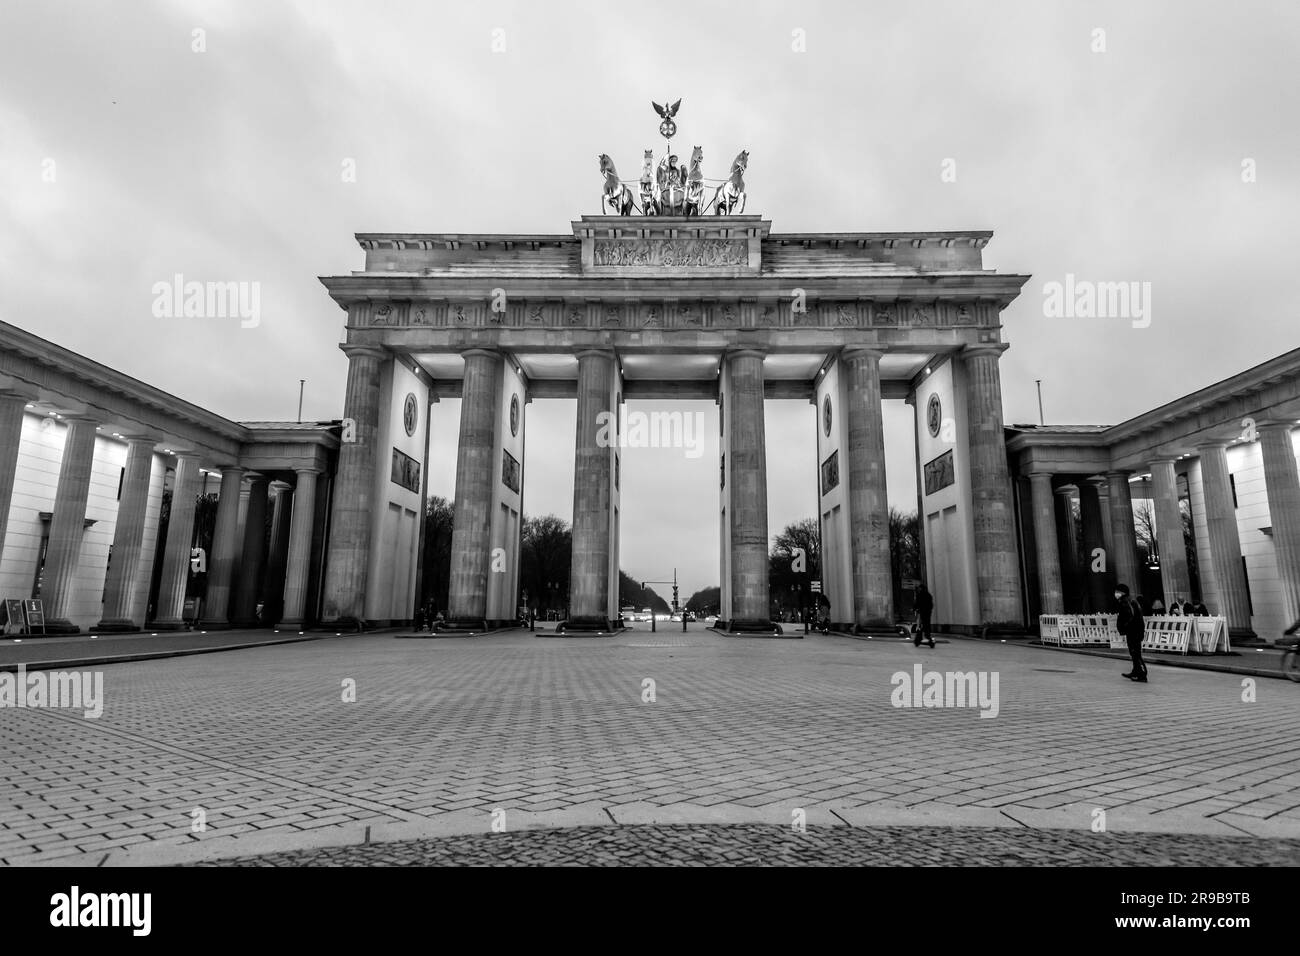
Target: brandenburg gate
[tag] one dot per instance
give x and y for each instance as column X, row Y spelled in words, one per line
column 668, row 306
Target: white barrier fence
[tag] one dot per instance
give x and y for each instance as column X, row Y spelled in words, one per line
column 1179, row 635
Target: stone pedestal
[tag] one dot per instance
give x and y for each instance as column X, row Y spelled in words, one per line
column 1225, row 544
column 224, row 558
column 348, row 562
column 997, row 562
column 67, row 526
column 180, row 541
column 1051, row 598
column 128, row 538
column 1282, row 485
column 873, row 590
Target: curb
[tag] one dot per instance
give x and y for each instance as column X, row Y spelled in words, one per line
column 1078, row 817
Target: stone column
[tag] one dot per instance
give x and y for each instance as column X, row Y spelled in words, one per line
column 348, row 561
column 1282, row 486
column 592, row 493
column 873, row 588
column 128, row 537
column 277, row 554
column 300, row 535
column 1225, row 543
column 747, row 493
column 1097, row 585
column 12, row 408
column 476, row 472
column 996, row 555
column 1051, row 598
column 1174, row 578
column 225, row 551
column 1123, row 537
column 180, row 541
column 1067, row 539
column 243, row 610
column 67, row 526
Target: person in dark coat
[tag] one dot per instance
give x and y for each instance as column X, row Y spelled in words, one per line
column 1131, row 625
column 924, row 608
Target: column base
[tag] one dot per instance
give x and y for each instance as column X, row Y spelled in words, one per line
column 586, row 625
column 356, row 625
column 215, row 625
column 752, row 628
column 58, row 626
column 463, row 626
column 173, row 624
column 117, row 626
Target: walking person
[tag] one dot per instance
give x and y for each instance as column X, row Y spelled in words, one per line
column 1130, row 624
column 924, row 608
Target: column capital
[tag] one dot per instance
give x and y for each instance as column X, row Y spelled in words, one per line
column 862, row 351
column 1039, row 473
column 15, row 395
column 231, row 470
column 744, row 352
column 479, row 350
column 352, row 350
column 1119, row 474
column 300, row 472
column 1275, row 427
column 603, row 353
column 1212, row 444
column 992, row 349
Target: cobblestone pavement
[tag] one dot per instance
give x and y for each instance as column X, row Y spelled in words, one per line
column 759, row 845
column 261, row 742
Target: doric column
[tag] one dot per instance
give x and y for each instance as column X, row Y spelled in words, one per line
column 225, row 550
column 1097, row 582
column 128, row 537
column 996, row 556
column 243, row 608
column 1174, row 578
column 348, row 561
column 300, row 535
column 747, row 493
column 873, row 589
column 1103, row 499
column 1067, row 539
column 1282, row 486
column 1051, row 598
column 592, row 493
column 180, row 541
column 68, row 525
column 1123, row 537
column 1225, row 544
column 12, row 408
column 476, row 472
column 277, row 555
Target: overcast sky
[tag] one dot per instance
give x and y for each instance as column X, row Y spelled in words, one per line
column 226, row 164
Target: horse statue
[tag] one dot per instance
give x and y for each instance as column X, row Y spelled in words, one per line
column 671, row 199
column 732, row 192
column 695, row 183
column 648, row 203
column 617, row 196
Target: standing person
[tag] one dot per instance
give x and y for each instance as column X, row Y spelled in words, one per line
column 1130, row 624
column 924, row 608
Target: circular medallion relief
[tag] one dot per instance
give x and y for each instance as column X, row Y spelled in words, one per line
column 826, row 416
column 514, row 415
column 933, row 414
column 410, row 413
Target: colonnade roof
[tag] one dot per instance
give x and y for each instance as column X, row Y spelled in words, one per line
column 62, row 384
column 1228, row 412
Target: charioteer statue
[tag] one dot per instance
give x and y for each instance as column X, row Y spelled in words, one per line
column 672, row 189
